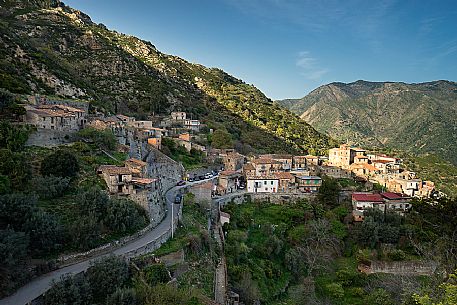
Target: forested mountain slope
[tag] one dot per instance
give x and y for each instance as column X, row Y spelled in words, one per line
column 419, row 118
column 49, row 48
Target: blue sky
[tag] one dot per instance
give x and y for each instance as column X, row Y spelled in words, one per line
column 287, row 48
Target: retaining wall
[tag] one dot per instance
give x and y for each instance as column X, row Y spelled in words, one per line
column 401, row 267
column 48, row 137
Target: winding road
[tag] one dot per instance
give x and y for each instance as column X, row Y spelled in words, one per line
column 40, row 285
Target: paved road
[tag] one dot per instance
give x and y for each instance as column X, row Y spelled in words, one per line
column 38, row 286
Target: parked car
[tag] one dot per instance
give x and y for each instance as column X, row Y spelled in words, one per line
column 181, row 183
column 202, row 177
column 190, row 180
column 242, row 187
column 208, row 175
column 178, row 199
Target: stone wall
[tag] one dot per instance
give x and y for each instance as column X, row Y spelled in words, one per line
column 168, row 171
column 401, row 267
column 279, row 198
column 48, row 137
column 152, row 201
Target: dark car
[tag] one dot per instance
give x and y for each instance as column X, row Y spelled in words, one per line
column 181, row 183
column 178, row 199
column 190, row 180
column 202, row 177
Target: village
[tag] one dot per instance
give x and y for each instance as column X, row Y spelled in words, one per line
column 266, row 175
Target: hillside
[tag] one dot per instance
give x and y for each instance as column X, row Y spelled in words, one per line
column 419, row 118
column 49, row 48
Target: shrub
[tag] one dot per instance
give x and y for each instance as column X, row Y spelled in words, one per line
column 123, row 297
column 61, row 163
column 125, row 215
column 106, row 276
column 104, row 139
column 397, row 255
column 335, row 290
column 156, row 274
column 73, row 290
column 48, row 187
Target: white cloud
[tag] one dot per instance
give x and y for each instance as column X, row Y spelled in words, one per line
column 309, row 66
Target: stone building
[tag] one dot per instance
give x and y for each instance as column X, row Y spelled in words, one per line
column 56, row 117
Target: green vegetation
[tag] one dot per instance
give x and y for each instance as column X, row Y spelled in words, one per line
column 416, row 118
column 104, row 139
column 52, row 202
column 434, row 168
column 112, row 281
column 306, row 253
column 189, row 159
column 221, row 139
column 150, row 82
column 61, row 163
column 200, row 250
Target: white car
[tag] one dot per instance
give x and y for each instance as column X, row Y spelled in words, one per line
column 208, row 175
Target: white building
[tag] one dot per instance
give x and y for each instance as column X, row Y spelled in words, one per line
column 193, row 125
column 262, row 184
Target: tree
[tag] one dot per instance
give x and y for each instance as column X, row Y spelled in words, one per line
column 5, row 184
column 16, row 209
column 104, row 139
column 335, row 290
column 14, row 165
column 329, row 192
column 221, row 139
column 61, row 163
column 125, row 296
column 45, row 231
column 124, row 215
column 85, row 232
column 446, row 294
column 6, row 98
column 94, row 202
column 48, row 187
column 167, row 294
column 13, row 137
column 379, row 297
column 73, row 290
column 13, row 254
column 156, row 274
column 106, row 276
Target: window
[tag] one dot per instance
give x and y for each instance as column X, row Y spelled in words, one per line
column 271, row 182
column 265, row 182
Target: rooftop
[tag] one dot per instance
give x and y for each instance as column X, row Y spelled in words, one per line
column 114, row 170
column 367, row 197
column 248, row 166
column 283, row 175
column 264, row 177
column 229, row 173
column 206, row 185
column 143, row 181
column 265, row 161
column 393, row 196
column 308, row 177
column 136, row 162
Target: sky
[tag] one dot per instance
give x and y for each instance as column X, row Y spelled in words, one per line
column 287, row 48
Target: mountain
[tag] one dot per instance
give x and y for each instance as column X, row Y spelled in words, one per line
column 418, row 118
column 49, row 48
